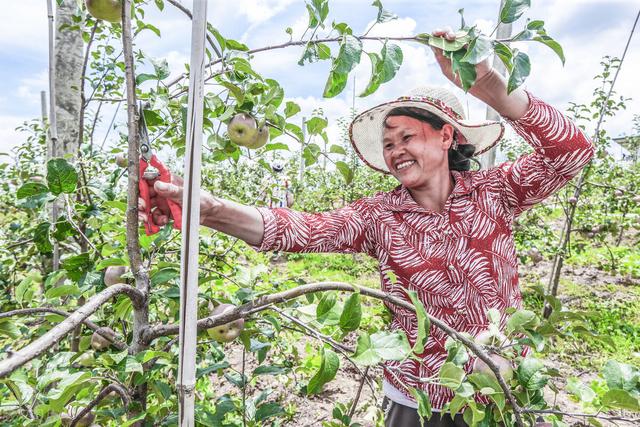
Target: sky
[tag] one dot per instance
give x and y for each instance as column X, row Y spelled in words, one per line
column 586, row 29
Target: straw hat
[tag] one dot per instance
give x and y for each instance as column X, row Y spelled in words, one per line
column 366, row 129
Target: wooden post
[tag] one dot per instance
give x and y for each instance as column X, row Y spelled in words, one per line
column 488, row 159
column 191, row 220
column 302, row 145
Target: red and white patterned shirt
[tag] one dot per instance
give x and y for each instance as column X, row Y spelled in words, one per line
column 461, row 261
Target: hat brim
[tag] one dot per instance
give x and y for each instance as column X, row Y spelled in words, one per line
column 366, row 130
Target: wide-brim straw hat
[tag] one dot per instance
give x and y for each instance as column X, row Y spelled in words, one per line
column 366, row 129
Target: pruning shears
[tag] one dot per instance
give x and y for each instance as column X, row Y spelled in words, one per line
column 152, row 169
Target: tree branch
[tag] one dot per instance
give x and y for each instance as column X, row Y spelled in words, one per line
column 49, row 339
column 124, row 395
column 88, row 323
column 265, row 301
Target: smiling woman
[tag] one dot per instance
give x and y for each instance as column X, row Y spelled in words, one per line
column 445, row 232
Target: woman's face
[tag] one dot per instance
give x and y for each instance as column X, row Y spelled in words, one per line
column 414, row 151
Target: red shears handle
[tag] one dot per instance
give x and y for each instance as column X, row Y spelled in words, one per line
column 143, row 184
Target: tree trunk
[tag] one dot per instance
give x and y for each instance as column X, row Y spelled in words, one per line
column 68, row 68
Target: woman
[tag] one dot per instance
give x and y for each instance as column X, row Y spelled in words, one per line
column 445, row 231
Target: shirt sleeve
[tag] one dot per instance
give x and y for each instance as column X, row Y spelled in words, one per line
column 561, row 150
column 342, row 230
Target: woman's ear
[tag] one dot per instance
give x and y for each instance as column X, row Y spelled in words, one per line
column 447, row 133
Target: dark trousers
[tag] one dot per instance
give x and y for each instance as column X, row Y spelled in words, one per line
column 404, row 416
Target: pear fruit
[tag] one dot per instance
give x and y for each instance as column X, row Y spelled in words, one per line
column 243, row 130
column 121, row 160
column 504, row 366
column 107, row 10
column 100, row 343
column 113, row 274
column 229, row 331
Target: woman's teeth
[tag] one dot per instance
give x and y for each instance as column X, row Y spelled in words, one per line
column 405, row 164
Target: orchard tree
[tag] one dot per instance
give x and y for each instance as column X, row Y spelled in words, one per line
column 123, row 368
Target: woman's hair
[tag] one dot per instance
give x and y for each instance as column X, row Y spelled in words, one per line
column 460, row 157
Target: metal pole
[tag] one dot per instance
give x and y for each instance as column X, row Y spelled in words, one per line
column 488, row 159
column 191, row 220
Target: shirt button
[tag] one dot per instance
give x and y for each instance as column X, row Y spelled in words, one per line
column 451, row 267
column 447, row 232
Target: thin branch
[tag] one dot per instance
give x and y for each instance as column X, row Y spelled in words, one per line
column 266, row 300
column 581, row 415
column 60, row 331
column 354, row 405
column 88, row 323
column 124, row 395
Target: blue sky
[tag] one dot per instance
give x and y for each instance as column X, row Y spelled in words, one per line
column 587, row 29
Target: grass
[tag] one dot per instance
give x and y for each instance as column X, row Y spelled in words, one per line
column 625, row 258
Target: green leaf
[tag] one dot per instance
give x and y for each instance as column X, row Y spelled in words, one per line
column 489, row 386
column 451, row 376
column 164, row 275
column 621, row 375
column 9, row 328
column 276, row 146
column 554, row 45
column 132, row 365
column 291, row 109
column 61, row 176
column 351, row 314
column 383, row 67
column 521, row 320
column 161, row 67
column 504, row 53
column 143, row 77
column 327, row 301
column 63, row 290
column 462, row 38
column 348, row 56
column 513, row 9
column 336, row 83
column 383, row 14
column 314, row 52
column 621, row 399
column 328, row 369
column 464, row 70
column 31, row 189
column 270, row 370
column 337, row 149
column 268, row 410
column 424, row 405
column 41, row 238
column 479, row 49
column 472, row 415
column 456, row 352
column 423, row 323
column 582, row 392
column 345, row 171
column 316, row 125
column 372, row 349
column 152, row 118
column 520, row 71
column 531, row 374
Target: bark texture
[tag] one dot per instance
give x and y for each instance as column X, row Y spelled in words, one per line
column 68, row 69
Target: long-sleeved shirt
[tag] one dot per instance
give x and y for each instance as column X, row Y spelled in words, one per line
column 461, row 261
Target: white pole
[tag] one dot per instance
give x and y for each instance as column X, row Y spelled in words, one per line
column 191, row 220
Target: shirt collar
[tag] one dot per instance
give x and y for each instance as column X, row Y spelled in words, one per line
column 400, row 200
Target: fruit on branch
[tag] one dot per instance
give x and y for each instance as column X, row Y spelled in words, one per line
column 229, row 331
column 108, row 10
column 121, row 160
column 99, row 342
column 243, row 130
column 85, row 360
column 618, row 193
column 573, row 200
column 491, row 338
column 504, row 366
column 113, row 274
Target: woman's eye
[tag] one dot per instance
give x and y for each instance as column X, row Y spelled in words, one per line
column 407, row 137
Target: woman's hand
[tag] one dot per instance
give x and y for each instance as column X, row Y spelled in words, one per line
column 490, row 86
column 160, row 192
column 483, row 68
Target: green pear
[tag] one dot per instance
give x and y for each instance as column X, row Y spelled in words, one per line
column 243, row 130
column 108, row 10
column 229, row 331
column 262, row 138
column 113, row 274
column 100, row 343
